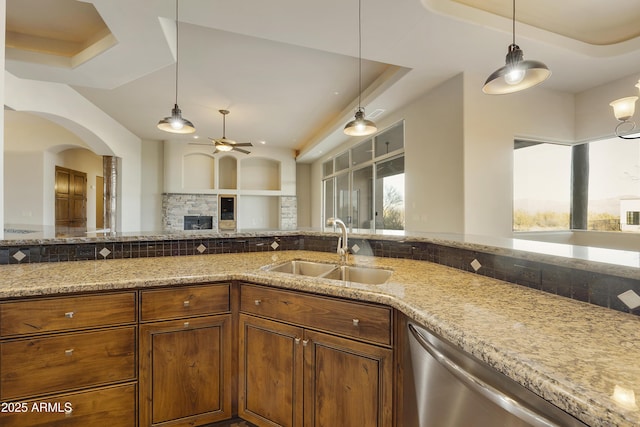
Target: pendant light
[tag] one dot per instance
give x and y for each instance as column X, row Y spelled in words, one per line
column 360, row 126
column 176, row 123
column 517, row 74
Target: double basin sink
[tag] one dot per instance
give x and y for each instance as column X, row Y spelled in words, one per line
column 348, row 273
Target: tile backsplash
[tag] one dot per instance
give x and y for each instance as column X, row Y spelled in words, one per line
column 575, row 283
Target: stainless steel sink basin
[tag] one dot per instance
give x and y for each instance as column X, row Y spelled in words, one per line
column 305, row 268
column 348, row 273
column 367, row 275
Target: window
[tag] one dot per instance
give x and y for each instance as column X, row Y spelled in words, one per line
column 542, row 185
column 614, row 179
column 368, row 195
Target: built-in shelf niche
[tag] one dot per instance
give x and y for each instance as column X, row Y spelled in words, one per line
column 198, row 172
column 228, row 172
column 259, row 173
column 259, row 212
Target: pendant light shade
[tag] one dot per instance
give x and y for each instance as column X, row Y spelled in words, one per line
column 517, row 74
column 176, row 123
column 360, row 126
column 623, row 110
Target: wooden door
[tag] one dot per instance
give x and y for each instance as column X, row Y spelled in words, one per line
column 347, row 383
column 71, row 200
column 270, row 373
column 185, row 371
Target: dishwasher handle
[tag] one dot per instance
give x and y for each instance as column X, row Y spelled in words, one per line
column 481, row 387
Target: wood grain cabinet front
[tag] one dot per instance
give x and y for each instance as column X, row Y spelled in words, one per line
column 69, row 360
column 186, row 363
column 292, row 374
column 113, row 406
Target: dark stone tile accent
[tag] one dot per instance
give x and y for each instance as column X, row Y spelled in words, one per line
column 594, row 288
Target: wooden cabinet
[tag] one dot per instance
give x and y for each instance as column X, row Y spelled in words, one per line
column 69, row 360
column 289, row 360
column 185, row 356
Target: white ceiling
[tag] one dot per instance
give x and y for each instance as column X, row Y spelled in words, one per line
column 288, row 69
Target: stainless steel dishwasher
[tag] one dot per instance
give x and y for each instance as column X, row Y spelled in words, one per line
column 451, row 388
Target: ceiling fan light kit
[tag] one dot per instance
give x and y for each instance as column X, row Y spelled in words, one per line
column 360, row 126
column 517, row 74
column 225, row 144
column 176, row 123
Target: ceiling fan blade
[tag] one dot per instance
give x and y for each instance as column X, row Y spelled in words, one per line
column 242, row 144
column 241, row 150
column 208, row 144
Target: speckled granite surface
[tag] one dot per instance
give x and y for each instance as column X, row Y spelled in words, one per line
column 584, row 359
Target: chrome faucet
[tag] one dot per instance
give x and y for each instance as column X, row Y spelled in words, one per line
column 343, row 245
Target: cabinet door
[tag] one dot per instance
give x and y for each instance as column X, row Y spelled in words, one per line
column 347, row 383
column 185, row 371
column 270, row 374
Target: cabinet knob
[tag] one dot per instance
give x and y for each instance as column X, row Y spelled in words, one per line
column 69, row 314
column 186, row 324
column 297, row 340
column 68, row 352
column 257, row 302
column 356, row 322
column 186, row 303
column 305, row 342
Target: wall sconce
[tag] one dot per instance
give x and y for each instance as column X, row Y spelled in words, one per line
column 624, row 109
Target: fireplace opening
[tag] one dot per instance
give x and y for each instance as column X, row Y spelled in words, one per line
column 198, row 222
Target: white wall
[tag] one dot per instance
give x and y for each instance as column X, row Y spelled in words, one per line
column 24, row 194
column 594, row 115
column 303, row 194
column 433, row 161
column 459, row 153
column 152, row 185
column 491, row 123
column 64, row 106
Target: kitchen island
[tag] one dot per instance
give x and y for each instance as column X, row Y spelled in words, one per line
column 582, row 358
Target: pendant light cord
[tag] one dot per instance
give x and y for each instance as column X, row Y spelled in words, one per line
column 177, row 51
column 513, row 23
column 360, row 54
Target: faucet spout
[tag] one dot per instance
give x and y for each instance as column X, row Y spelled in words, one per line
column 343, row 244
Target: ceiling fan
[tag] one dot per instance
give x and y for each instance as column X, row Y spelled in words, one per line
column 225, row 144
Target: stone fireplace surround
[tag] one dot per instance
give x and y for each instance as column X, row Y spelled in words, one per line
column 175, row 206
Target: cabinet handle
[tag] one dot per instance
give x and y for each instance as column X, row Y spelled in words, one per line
column 356, row 322
column 186, row 303
column 257, row 302
column 69, row 314
column 186, row 324
column 297, row 340
column 305, row 342
column 68, row 352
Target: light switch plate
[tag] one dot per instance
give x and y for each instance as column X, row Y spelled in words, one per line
column 630, row 298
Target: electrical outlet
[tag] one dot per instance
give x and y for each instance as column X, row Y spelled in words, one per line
column 528, row 274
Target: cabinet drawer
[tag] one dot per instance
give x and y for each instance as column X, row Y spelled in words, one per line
column 186, row 301
column 353, row 319
column 111, row 406
column 41, row 315
column 36, row 366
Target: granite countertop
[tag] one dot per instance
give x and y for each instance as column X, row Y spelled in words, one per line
column 583, row 358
